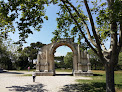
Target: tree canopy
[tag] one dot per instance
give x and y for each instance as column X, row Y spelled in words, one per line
column 27, row 14
column 8, row 54
column 32, row 50
column 96, row 24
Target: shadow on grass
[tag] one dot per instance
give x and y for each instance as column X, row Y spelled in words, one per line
column 28, row 88
column 63, row 74
column 91, row 87
column 118, row 86
column 97, row 75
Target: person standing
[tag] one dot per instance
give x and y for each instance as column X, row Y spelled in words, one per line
column 34, row 76
column 28, row 68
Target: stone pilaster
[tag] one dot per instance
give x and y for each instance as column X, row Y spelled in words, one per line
column 89, row 64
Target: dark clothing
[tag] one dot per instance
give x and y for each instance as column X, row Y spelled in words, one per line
column 34, row 78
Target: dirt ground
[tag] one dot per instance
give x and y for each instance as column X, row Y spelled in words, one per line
column 15, row 81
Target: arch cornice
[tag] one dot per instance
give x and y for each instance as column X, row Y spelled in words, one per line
column 64, row 42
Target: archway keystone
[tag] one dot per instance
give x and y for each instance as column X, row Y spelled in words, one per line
column 45, row 64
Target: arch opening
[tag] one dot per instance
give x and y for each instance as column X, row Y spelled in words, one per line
column 63, row 61
column 73, row 49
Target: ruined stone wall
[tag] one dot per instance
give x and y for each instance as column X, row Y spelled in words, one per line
column 45, row 62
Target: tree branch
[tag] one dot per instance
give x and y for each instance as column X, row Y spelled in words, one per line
column 79, row 28
column 120, row 37
column 108, row 1
column 93, row 29
column 102, row 44
column 83, row 21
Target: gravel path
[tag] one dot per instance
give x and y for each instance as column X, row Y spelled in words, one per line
column 14, row 81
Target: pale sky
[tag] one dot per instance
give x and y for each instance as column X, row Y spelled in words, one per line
column 45, row 35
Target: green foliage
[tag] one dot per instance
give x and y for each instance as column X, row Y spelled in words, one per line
column 97, row 65
column 68, row 60
column 30, row 14
column 66, row 27
column 10, row 58
column 120, row 58
column 23, row 62
column 59, row 62
column 95, row 61
column 64, row 61
column 7, row 54
column 57, row 35
column 32, row 50
column 28, row 54
column 119, row 66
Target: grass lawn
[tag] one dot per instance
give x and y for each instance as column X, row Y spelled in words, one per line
column 27, row 75
column 63, row 70
column 98, row 82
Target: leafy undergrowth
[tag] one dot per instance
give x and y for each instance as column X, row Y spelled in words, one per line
column 98, row 84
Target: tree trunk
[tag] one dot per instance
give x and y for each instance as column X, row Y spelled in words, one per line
column 95, row 66
column 32, row 62
column 109, row 77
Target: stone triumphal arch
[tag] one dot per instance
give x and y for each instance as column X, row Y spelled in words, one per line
column 45, row 65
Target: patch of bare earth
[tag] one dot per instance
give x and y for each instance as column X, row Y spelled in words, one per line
column 14, row 81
